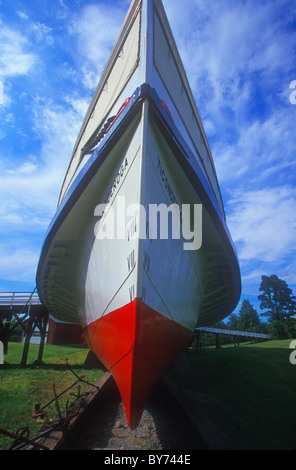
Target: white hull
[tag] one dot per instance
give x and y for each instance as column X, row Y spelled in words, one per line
column 160, row 272
column 105, row 274
column 139, row 293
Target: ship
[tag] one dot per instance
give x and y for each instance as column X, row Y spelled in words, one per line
column 138, row 252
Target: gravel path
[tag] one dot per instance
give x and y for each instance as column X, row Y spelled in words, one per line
column 162, row 427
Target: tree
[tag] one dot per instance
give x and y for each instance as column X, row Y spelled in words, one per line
column 248, row 317
column 276, row 299
column 232, row 323
column 277, row 330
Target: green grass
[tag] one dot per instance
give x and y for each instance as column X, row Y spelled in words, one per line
column 248, row 391
column 23, row 387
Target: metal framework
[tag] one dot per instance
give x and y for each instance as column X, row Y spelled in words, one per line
column 249, row 334
column 235, row 333
column 26, row 310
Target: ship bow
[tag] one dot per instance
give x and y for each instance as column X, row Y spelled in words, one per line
column 136, row 344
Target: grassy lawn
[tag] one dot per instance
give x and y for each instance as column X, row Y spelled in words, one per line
column 22, row 387
column 248, row 391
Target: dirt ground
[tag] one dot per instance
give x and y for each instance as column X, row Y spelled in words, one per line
column 163, row 426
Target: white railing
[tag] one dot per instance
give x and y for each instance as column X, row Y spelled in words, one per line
column 250, row 334
column 19, row 299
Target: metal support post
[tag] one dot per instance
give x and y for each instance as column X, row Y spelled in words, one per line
column 42, row 327
column 218, row 342
column 29, row 333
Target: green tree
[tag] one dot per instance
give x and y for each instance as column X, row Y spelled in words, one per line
column 277, row 299
column 232, row 323
column 290, row 328
column 277, row 330
column 248, row 318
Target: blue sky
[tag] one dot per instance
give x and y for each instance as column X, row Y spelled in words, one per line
column 240, row 57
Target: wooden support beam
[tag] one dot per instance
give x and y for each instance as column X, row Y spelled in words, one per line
column 5, row 323
column 34, row 322
column 42, row 340
column 29, row 333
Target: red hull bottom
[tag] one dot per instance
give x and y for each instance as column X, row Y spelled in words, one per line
column 136, row 344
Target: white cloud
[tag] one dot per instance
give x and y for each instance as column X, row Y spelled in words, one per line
column 80, row 105
column 22, row 15
column 29, row 192
column 63, row 4
column 263, row 224
column 58, row 125
column 96, row 29
column 25, row 168
column 260, row 150
column 18, row 264
column 15, row 59
column 30, row 184
column 222, row 43
column 42, row 33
